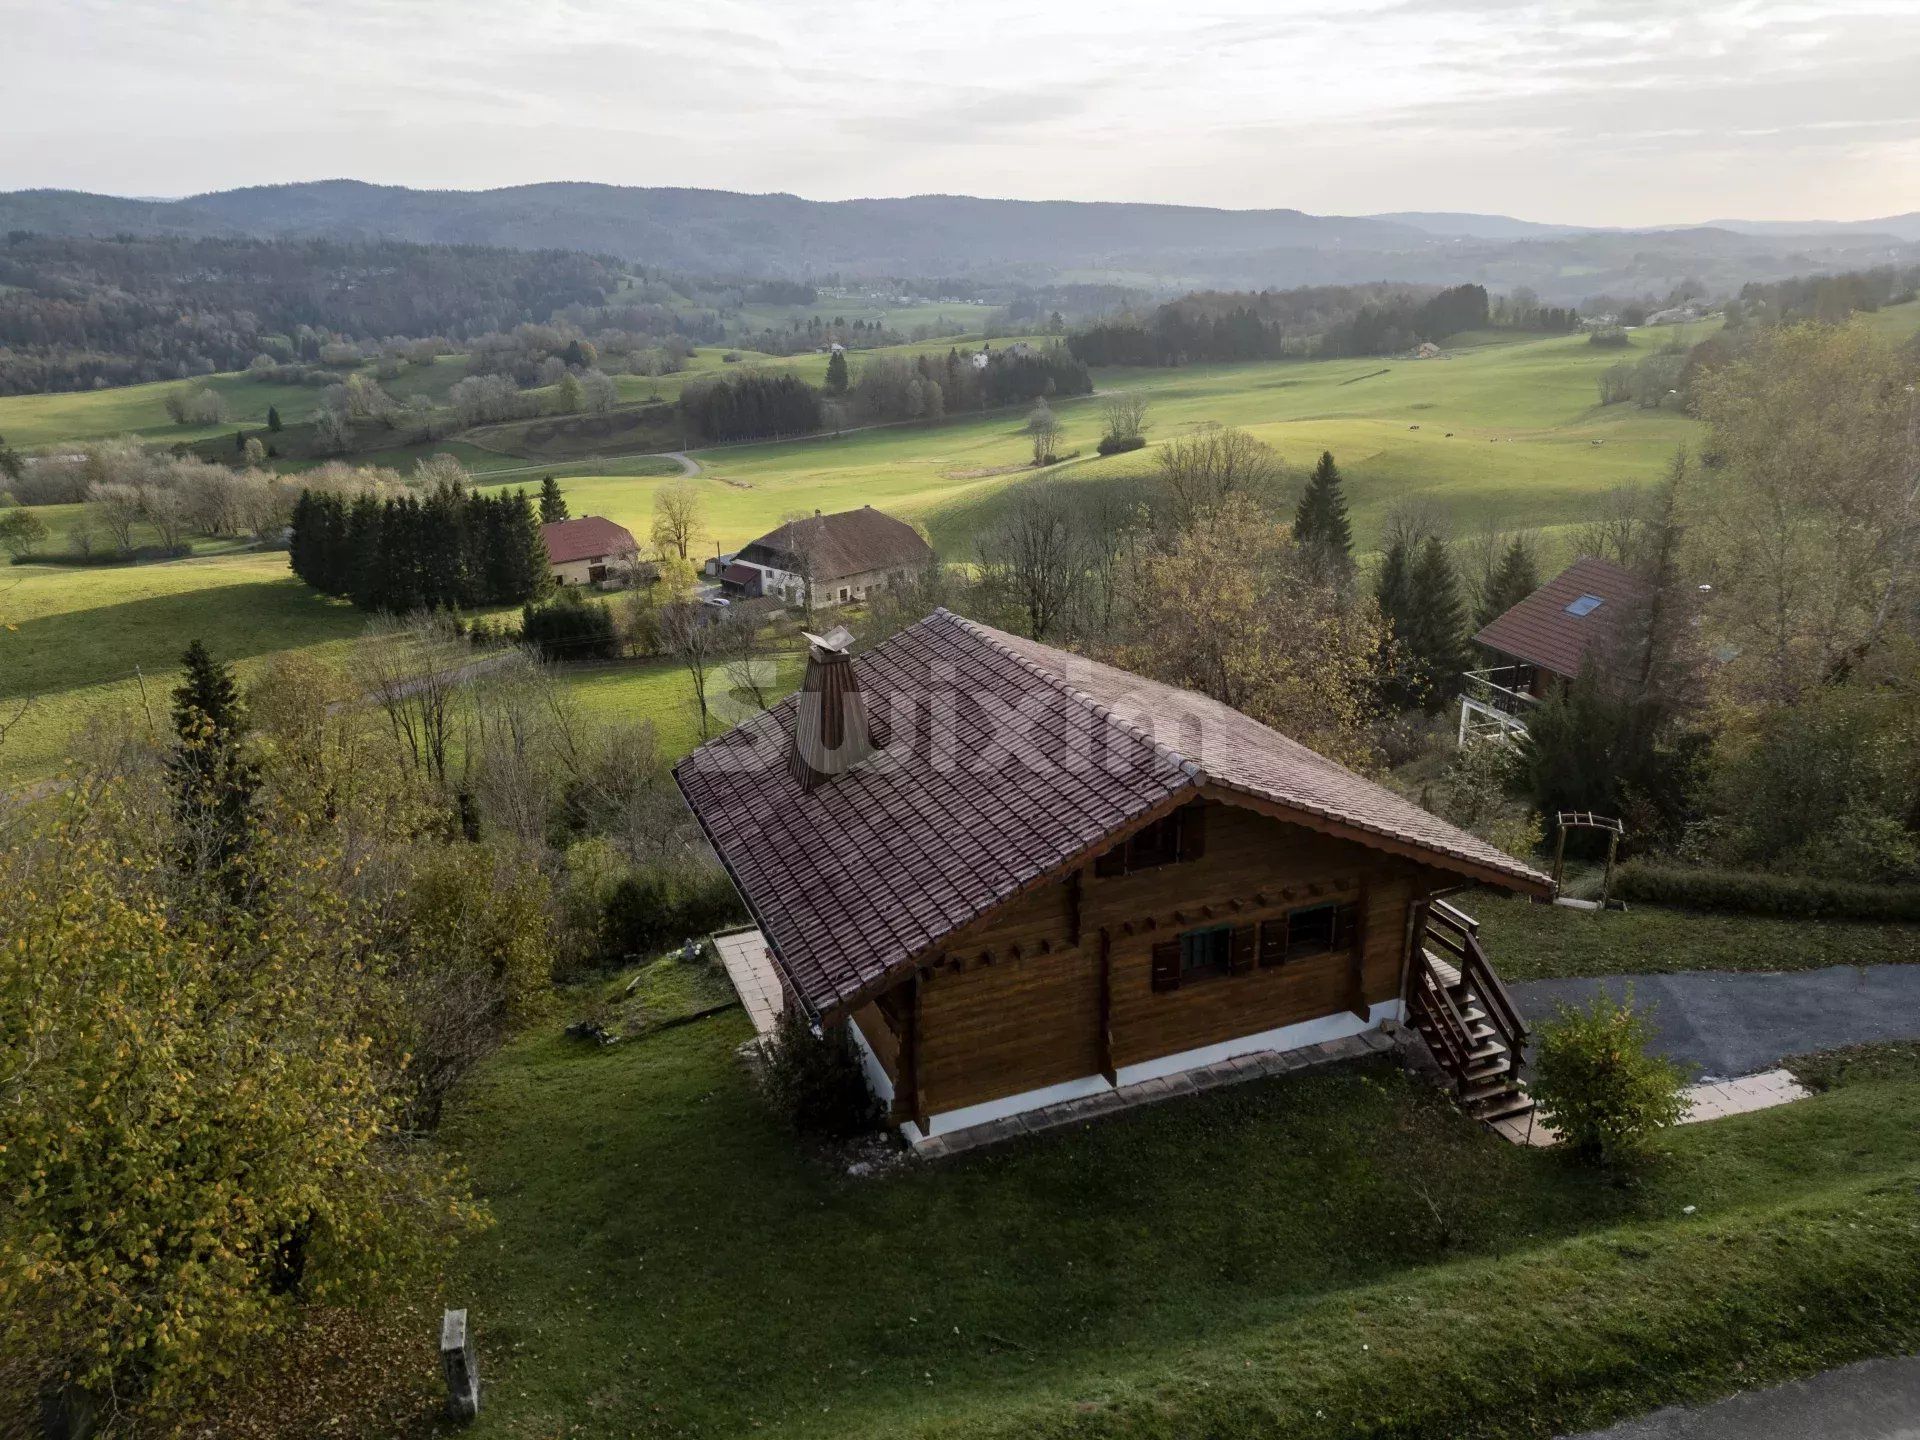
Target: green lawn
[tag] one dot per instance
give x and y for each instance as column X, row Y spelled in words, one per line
column 1538, row 942
column 1329, row 1254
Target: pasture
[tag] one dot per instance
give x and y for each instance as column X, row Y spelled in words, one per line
column 1504, row 432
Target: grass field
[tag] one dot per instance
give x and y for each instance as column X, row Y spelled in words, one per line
column 1506, row 433
column 1328, row 1254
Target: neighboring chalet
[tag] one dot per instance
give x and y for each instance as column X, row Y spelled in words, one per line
column 1025, row 878
column 589, row 550
column 1542, row 643
column 840, row 557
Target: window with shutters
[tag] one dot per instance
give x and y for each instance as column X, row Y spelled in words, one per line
column 1177, row 837
column 1308, row 931
column 1206, row 952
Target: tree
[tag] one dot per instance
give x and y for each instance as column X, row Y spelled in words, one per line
column 837, row 373
column 1512, row 579
column 1032, row 555
column 116, row 509
column 1320, row 524
column 1043, row 426
column 273, row 419
column 1125, row 419
column 12, row 467
column 1435, row 637
column 553, row 505
column 573, row 395
column 20, row 530
column 213, row 781
column 1232, row 609
column 679, row 518
column 688, row 633
column 1807, row 523
column 1202, row 471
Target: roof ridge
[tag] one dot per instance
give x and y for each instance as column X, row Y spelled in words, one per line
column 1193, row 768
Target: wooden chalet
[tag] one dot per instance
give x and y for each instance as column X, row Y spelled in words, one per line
column 1023, row 878
column 1541, row 643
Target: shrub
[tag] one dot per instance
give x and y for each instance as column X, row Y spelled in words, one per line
column 649, row 910
column 1120, row 444
column 1606, row 1094
column 1758, row 892
column 816, row 1080
column 570, row 627
column 1610, row 337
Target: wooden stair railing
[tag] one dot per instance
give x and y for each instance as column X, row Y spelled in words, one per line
column 1462, row 1010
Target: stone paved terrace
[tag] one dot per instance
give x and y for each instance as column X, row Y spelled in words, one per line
column 755, row 981
column 1127, row 1097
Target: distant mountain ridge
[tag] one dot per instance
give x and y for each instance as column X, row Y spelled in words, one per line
column 1164, row 246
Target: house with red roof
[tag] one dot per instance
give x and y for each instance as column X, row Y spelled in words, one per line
column 1541, row 643
column 589, row 550
column 1025, row 880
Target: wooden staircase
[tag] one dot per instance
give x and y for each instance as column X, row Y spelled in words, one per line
column 1462, row 1010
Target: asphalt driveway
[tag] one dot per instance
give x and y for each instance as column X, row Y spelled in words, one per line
column 1733, row 1024
column 1874, row 1400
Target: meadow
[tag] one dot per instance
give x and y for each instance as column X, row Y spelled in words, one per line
column 1506, row 431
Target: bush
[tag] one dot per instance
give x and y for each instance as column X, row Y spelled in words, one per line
column 1610, row 337
column 1606, row 1095
column 649, row 910
column 1758, row 892
column 570, row 627
column 816, row 1080
column 1120, row 444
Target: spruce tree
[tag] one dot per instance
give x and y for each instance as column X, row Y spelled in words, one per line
column 273, row 419
column 240, row 441
column 1320, row 523
column 1512, row 580
column 837, row 373
column 553, row 505
column 213, row 781
column 1436, row 637
column 527, row 566
column 303, row 540
column 365, row 524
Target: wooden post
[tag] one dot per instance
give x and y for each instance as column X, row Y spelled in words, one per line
column 910, row 1068
column 1357, row 961
column 1559, row 849
column 1606, row 881
column 1106, row 1006
column 460, row 1366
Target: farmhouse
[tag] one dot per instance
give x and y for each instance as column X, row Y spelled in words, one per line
column 1025, row 879
column 839, row 558
column 1542, row 642
column 587, row 550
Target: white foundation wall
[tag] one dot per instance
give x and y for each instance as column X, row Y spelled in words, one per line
column 1281, row 1040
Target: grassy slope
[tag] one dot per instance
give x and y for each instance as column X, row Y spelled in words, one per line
column 34, row 421
column 1537, row 942
column 1334, row 1254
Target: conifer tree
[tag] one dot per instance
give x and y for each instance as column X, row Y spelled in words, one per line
column 273, row 419
column 528, row 569
column 1513, row 579
column 213, row 781
column 1436, row 626
column 553, row 505
column 837, row 373
column 1320, row 524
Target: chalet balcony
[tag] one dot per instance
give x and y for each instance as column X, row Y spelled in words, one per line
column 1495, row 702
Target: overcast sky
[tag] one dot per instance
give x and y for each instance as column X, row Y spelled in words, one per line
column 1619, row 112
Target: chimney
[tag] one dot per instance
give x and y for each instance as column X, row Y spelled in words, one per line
column 832, row 732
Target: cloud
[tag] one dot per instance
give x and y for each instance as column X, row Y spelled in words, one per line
column 1608, row 111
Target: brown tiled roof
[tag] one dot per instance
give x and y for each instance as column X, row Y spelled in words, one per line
column 591, row 537
column 852, row 542
column 1541, row 631
column 1039, row 756
column 743, row 575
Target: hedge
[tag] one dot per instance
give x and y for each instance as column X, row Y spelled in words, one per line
column 1120, row 444
column 1755, row 892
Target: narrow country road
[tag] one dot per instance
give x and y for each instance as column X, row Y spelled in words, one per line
column 1874, row 1400
column 688, row 465
column 1739, row 1024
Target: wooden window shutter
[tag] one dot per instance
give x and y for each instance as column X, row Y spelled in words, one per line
column 1240, row 953
column 1273, row 940
column 1193, row 831
column 1114, row 862
column 1166, row 965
